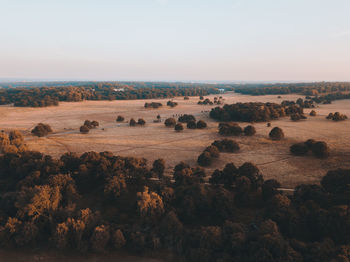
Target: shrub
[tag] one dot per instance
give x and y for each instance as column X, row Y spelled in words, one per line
column 141, row 122
column 170, row 122
column 204, row 159
column 41, row 130
column 226, row 145
column 320, row 149
column 201, row 124
column 95, row 123
column 249, row 130
column 179, row 127
column 84, row 129
column 230, row 129
column 171, row 103
column 276, row 133
column 313, row 113
column 191, row 124
column 132, row 122
column 153, row 105
column 213, row 151
column 120, row 119
column 186, row 98
column 186, row 118
column 299, row 149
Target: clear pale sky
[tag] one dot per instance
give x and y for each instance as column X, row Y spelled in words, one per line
column 251, row 40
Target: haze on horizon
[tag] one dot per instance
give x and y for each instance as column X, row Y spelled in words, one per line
column 176, row 40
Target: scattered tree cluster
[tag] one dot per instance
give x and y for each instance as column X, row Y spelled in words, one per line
column 320, row 149
column 140, row 122
column 199, row 125
column 186, row 118
column 207, row 101
column 337, row 116
column 253, row 112
column 41, row 130
column 85, row 128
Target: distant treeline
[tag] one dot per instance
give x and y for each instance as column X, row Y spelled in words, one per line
column 295, row 88
column 101, row 202
column 51, row 96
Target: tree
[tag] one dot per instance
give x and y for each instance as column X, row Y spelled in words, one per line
column 120, row 119
column 118, row 239
column 132, row 122
column 201, row 124
column 226, row 145
column 84, row 129
column 230, row 129
column 313, row 113
column 276, row 133
column 41, row 130
column 170, row 122
column 204, row 159
column 320, row 149
column 179, row 127
column 299, row 149
column 186, row 118
column 149, row 204
column 191, row 124
column 141, row 122
column 159, row 167
column 249, row 130
column 213, row 151
column 100, row 238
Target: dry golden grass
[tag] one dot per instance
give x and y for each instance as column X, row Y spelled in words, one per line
column 156, row 141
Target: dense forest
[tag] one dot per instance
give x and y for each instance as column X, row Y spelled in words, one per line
column 42, row 96
column 100, row 202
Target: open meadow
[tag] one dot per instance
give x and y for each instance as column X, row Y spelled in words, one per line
column 154, row 140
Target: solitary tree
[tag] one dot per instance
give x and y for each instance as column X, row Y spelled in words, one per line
column 170, row 122
column 120, row 119
column 249, row 130
column 41, row 130
column 276, row 133
column 141, row 122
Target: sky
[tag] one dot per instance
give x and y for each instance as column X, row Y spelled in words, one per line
column 175, row 40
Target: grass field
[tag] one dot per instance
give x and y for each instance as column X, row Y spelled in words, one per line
column 156, row 141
